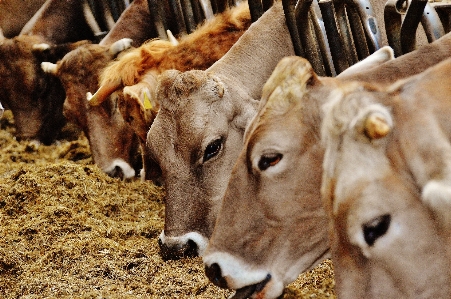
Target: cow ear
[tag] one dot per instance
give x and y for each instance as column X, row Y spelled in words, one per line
column 290, row 79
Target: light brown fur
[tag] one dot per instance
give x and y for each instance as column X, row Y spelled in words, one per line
column 198, row 50
column 291, row 128
column 368, row 177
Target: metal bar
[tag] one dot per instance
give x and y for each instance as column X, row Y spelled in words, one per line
column 256, row 9
column 410, row 24
column 307, row 35
column 344, row 30
column 443, row 10
column 290, row 16
column 188, row 14
column 358, row 32
column 178, row 16
column 158, row 18
column 432, row 24
column 323, row 44
column 333, row 35
column 369, row 22
column 197, row 11
column 393, row 21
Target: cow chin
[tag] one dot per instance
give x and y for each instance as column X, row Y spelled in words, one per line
column 120, row 169
column 191, row 244
column 226, row 271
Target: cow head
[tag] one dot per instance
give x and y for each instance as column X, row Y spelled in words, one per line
column 113, row 144
column 195, row 139
column 35, row 98
column 386, row 242
column 272, row 224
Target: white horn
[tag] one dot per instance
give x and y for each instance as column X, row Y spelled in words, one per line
column 41, row 47
column 1, row 110
column 49, row 67
column 120, row 45
column 171, row 38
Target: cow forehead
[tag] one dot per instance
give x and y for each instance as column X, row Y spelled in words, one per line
column 185, row 129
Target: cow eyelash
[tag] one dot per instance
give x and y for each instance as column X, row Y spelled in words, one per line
column 269, row 160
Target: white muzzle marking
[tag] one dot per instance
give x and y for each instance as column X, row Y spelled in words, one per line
column 180, row 241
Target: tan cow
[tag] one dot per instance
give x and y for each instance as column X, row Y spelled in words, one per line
column 196, row 135
column 278, row 173
column 387, row 186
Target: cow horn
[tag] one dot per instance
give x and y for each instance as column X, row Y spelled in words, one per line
column 2, row 37
column 41, row 47
column 102, row 94
column 120, row 45
column 48, row 67
column 376, row 126
column 172, row 39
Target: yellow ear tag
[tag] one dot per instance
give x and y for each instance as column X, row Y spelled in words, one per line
column 147, row 103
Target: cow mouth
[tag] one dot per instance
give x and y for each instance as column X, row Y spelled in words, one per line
column 248, row 291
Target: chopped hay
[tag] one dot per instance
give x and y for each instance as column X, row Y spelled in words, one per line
column 70, row 231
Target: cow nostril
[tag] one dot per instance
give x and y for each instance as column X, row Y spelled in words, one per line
column 117, row 172
column 213, row 273
column 177, row 251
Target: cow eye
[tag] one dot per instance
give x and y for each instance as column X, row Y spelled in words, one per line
column 212, row 149
column 267, row 161
column 376, row 228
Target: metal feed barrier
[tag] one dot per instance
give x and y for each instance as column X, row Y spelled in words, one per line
column 331, row 34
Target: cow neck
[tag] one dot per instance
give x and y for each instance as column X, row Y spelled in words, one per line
column 133, row 23
column 60, row 22
column 252, row 59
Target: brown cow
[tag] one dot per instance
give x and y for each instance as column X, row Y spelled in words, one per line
column 113, row 145
column 387, row 186
column 279, row 171
column 35, row 98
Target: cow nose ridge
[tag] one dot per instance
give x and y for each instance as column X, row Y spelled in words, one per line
column 178, row 251
column 213, row 272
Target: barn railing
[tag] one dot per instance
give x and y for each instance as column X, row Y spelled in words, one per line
column 331, row 34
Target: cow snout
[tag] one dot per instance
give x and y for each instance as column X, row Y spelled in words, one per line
column 178, row 251
column 214, row 273
column 191, row 244
column 120, row 169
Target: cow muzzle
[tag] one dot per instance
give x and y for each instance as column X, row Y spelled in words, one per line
column 120, row 169
column 188, row 245
column 228, row 272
